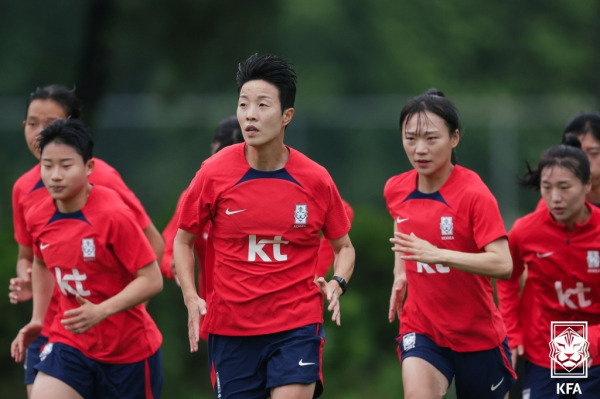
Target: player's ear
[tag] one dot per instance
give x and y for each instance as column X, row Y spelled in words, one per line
column 287, row 116
column 89, row 166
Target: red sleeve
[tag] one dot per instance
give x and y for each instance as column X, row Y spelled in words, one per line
column 168, row 236
column 325, row 256
column 129, row 243
column 21, row 235
column 107, row 176
column 509, row 292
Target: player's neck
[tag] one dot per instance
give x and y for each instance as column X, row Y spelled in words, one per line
column 433, row 182
column 594, row 195
column 75, row 203
column 267, row 158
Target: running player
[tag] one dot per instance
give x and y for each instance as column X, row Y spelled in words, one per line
column 449, row 239
column 89, row 248
column 558, row 246
column 47, row 104
column 267, row 204
column 228, row 133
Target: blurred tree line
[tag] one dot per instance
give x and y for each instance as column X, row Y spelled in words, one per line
column 156, row 78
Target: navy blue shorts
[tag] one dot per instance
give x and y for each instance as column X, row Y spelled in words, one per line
column 250, row 366
column 537, row 383
column 32, row 357
column 92, row 379
column 481, row 374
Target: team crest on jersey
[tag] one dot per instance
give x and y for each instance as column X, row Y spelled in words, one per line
column 447, row 228
column 408, row 341
column 88, row 248
column 593, row 261
column 300, row 215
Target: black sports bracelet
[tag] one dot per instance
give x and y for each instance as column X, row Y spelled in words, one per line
column 343, row 284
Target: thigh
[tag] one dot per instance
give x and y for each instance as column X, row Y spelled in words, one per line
column 422, row 379
column 484, row 374
column 48, row 387
column 294, row 391
column 32, row 357
column 70, row 366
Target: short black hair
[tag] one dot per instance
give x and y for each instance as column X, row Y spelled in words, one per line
column 568, row 155
column 272, row 69
column 71, row 132
column 228, row 132
column 66, row 98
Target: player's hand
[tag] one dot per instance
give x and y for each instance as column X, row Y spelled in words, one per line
column 515, row 353
column 81, row 319
column 20, row 289
column 332, row 291
column 24, row 338
column 196, row 310
column 397, row 297
column 414, row 248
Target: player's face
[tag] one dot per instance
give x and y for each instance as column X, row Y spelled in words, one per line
column 591, row 147
column 65, row 176
column 40, row 114
column 259, row 114
column 428, row 144
column 564, row 194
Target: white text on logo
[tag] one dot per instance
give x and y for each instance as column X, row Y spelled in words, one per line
column 256, row 248
column 564, row 297
column 426, row 268
column 64, row 282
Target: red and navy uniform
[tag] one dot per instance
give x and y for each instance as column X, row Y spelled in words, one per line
column 562, row 284
column 265, row 232
column 95, row 253
column 454, row 308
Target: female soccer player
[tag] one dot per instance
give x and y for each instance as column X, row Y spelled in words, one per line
column 89, row 250
column 267, row 204
column 449, row 239
column 558, row 245
column 47, row 104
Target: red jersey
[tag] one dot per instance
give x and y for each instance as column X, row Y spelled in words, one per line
column 265, row 234
column 454, row 308
column 326, row 256
column 563, row 281
column 29, row 190
column 95, row 252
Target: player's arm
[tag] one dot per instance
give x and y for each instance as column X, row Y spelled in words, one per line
column 20, row 287
column 493, row 261
column 343, row 267
column 399, row 285
column 43, row 285
column 183, row 253
column 147, row 283
column 156, row 241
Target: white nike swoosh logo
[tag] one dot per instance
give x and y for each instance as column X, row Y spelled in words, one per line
column 301, row 363
column 545, row 255
column 228, row 212
column 398, row 220
column 44, row 246
column 494, row 387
